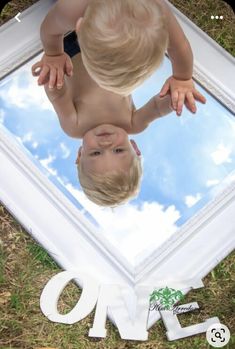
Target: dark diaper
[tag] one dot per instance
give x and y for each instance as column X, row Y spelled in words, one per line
column 71, row 46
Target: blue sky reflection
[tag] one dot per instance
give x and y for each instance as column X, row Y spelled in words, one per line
column 186, row 160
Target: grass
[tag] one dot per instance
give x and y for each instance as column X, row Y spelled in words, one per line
column 200, row 12
column 39, row 254
column 25, row 267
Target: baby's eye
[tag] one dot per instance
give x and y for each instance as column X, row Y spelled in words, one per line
column 118, row 150
column 95, row 153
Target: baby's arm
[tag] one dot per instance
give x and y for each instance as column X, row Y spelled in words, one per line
column 55, row 62
column 60, row 19
column 179, row 49
column 155, row 108
column 64, row 108
column 180, row 84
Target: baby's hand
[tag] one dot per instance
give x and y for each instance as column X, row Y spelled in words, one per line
column 52, row 69
column 182, row 91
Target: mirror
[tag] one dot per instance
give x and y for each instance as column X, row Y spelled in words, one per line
column 187, row 161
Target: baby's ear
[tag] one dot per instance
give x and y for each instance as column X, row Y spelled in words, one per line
column 78, row 24
column 134, row 145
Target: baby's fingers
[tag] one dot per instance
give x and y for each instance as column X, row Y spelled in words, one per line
column 36, row 68
column 52, row 79
column 191, row 102
column 174, row 99
column 186, row 103
column 60, row 79
column 198, row 96
column 43, row 75
column 181, row 98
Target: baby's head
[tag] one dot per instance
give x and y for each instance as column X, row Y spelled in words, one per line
column 109, row 165
column 122, row 42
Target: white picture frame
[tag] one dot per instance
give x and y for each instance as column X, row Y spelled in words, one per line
column 68, row 237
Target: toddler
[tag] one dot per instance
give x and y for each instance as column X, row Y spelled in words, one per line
column 122, row 42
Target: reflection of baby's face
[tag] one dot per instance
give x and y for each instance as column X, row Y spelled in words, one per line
column 106, row 148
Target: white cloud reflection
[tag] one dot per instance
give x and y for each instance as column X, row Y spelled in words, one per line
column 47, row 164
column 25, row 95
column 65, row 151
column 191, row 200
column 132, row 228
column 35, row 145
column 221, row 154
column 28, row 137
column 212, row 182
column 223, row 184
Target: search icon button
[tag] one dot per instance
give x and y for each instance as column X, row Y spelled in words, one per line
column 218, row 335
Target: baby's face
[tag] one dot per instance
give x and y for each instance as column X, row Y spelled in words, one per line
column 107, row 148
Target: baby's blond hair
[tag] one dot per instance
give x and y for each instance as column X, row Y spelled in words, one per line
column 113, row 188
column 122, row 42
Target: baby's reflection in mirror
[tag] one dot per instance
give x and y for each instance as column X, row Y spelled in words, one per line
column 108, row 162
column 122, row 43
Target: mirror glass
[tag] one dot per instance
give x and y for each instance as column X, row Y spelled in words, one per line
column 187, row 160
